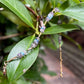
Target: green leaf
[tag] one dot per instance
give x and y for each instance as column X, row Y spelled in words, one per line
column 76, row 12
column 15, row 68
column 60, row 28
column 73, row 41
column 12, row 17
column 22, row 80
column 51, row 73
column 54, row 3
column 46, row 8
column 55, row 39
column 74, row 2
column 49, row 43
column 82, row 0
column 42, row 4
column 81, row 24
column 64, row 5
column 19, row 9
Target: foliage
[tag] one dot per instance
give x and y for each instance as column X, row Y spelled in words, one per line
column 24, row 22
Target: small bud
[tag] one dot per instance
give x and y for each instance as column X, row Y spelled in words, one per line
column 36, row 41
column 50, row 16
column 33, row 45
column 24, row 70
column 57, row 10
column 21, row 54
column 41, row 23
column 42, row 26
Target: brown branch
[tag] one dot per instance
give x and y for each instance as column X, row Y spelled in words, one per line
column 37, row 16
column 9, row 36
column 31, row 10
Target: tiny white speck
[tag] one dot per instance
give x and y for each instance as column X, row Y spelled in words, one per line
column 1, row 8
column 42, row 47
column 28, row 5
column 24, row 70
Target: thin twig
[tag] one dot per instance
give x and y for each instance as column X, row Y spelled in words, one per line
column 61, row 71
column 37, row 16
column 31, row 10
column 9, row 36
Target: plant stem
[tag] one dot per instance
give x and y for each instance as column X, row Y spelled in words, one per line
column 31, row 11
column 9, row 36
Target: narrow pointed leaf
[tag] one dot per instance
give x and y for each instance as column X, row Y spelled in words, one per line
column 60, row 28
column 76, row 12
column 54, row 2
column 81, row 24
column 12, row 17
column 73, row 2
column 19, row 9
column 16, row 68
